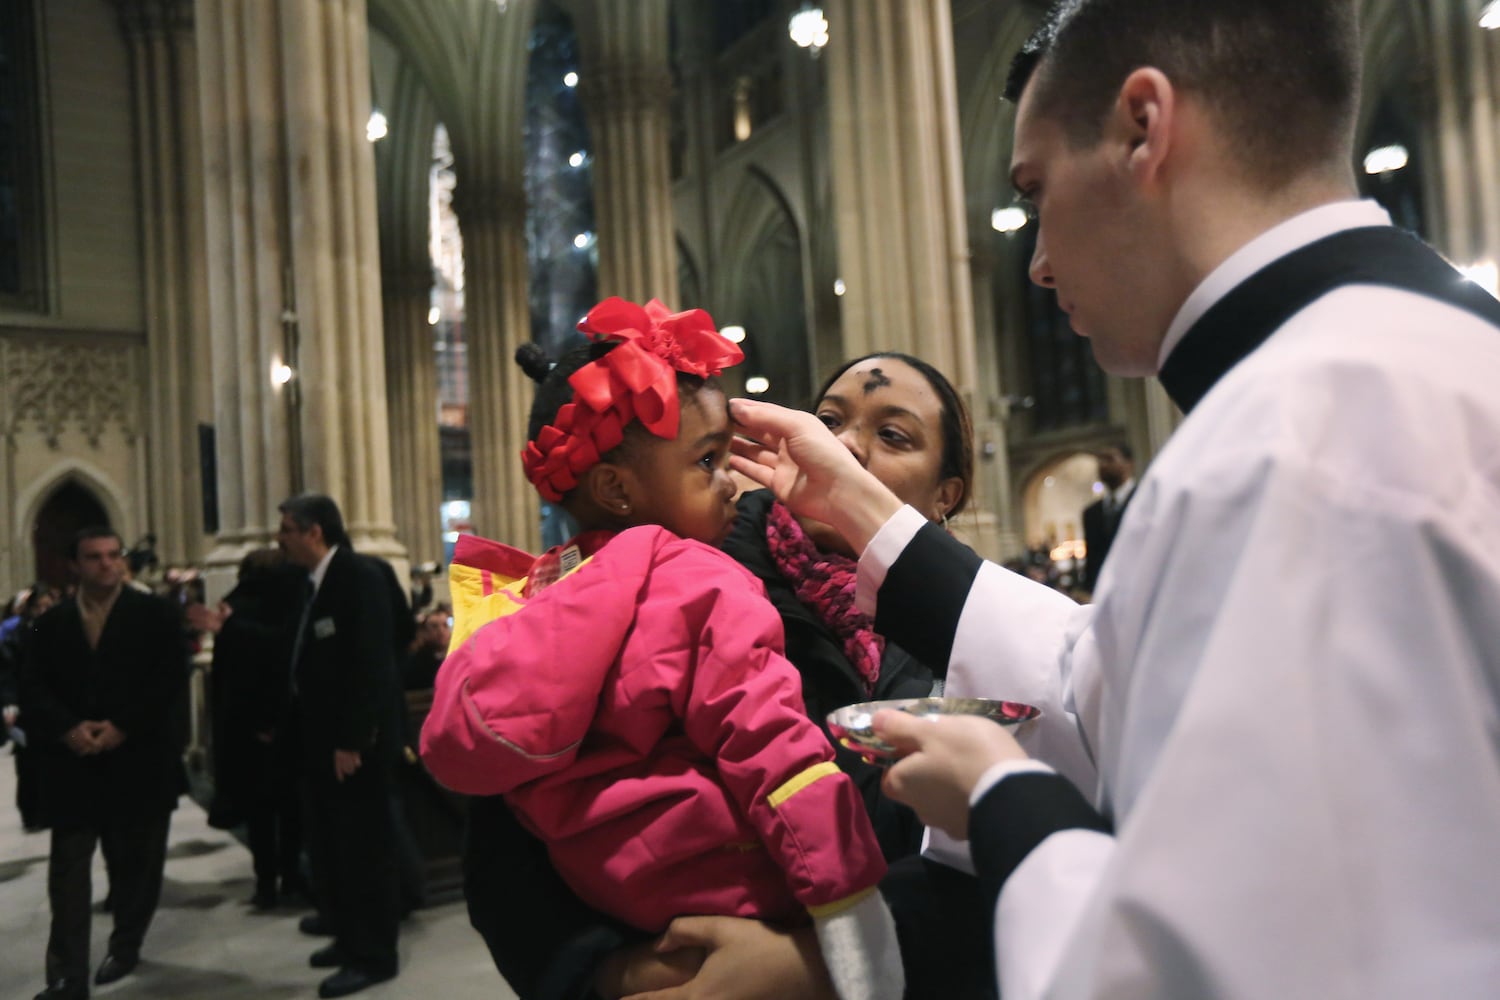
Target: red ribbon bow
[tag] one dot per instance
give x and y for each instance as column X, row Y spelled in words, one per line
column 635, row 381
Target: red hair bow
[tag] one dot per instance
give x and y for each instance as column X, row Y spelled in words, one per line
column 635, row 381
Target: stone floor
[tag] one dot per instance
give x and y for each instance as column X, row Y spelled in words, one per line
column 206, row 943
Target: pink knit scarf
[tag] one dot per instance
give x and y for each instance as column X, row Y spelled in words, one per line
column 824, row 581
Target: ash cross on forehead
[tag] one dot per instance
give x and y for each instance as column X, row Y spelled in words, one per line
column 876, row 379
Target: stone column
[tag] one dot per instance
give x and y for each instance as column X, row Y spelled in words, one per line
column 498, row 318
column 996, row 510
column 897, row 182
column 403, row 173
column 474, row 67
column 626, row 87
column 411, row 390
column 164, row 82
column 293, row 266
column 1466, row 66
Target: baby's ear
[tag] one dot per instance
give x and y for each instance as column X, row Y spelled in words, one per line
column 608, row 488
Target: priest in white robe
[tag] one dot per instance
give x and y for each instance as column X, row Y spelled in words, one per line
column 1269, row 758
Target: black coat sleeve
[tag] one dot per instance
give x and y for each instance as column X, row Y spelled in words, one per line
column 924, row 594
column 10, row 669
column 47, row 716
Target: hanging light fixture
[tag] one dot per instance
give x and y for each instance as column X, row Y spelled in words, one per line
column 1386, row 160
column 1489, row 18
column 809, row 29
column 377, row 127
column 1010, row 219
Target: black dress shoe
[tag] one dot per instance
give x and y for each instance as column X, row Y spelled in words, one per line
column 115, row 967
column 317, row 925
column 64, row 989
column 327, row 957
column 350, row 980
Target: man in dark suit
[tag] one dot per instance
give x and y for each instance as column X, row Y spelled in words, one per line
column 343, row 697
column 1101, row 519
column 104, row 695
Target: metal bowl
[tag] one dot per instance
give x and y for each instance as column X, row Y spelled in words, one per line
column 854, row 725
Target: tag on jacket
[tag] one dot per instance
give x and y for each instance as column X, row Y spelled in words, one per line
column 323, row 628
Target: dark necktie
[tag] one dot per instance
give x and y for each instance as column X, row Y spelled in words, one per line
column 308, row 592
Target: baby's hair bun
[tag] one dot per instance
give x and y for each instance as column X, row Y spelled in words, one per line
column 534, row 361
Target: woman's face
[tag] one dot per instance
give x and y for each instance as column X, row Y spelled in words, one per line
column 885, row 412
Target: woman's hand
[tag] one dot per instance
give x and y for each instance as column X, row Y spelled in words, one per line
column 794, row 455
column 642, row 968
column 746, row 960
column 946, row 755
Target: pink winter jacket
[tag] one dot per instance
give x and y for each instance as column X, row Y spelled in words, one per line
column 641, row 720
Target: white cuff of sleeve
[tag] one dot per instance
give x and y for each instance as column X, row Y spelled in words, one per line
column 998, row 772
column 884, row 549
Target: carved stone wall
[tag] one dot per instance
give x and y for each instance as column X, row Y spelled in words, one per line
column 71, row 408
column 51, row 384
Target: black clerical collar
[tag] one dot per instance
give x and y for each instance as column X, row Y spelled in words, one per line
column 1243, row 319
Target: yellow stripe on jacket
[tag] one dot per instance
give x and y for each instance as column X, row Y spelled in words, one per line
column 815, row 773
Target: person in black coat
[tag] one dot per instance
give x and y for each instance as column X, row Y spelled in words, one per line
column 344, row 699
column 1101, row 519
column 37, row 602
column 255, row 772
column 104, row 693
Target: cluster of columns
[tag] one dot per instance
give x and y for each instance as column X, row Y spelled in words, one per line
column 898, row 183
column 627, row 92
column 903, row 241
column 293, row 267
column 404, row 165
column 163, row 69
column 1465, row 67
column 278, row 254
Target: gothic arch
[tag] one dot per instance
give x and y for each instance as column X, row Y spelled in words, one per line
column 30, row 499
column 763, row 286
column 1397, row 55
column 987, row 124
column 758, row 203
column 33, row 498
column 1053, row 495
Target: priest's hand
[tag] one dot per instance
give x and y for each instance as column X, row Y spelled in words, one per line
column 944, row 758
column 797, row 457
